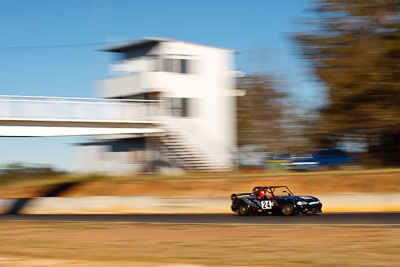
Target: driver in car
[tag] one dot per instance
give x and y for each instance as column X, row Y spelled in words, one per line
column 262, row 195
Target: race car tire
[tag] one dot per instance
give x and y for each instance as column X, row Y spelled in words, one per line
column 243, row 210
column 287, row 209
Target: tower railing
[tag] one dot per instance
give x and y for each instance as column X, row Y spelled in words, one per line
column 14, row 107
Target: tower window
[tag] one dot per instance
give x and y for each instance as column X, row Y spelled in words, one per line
column 176, row 65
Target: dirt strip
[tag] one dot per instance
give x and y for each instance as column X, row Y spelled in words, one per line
column 153, row 204
column 124, row 244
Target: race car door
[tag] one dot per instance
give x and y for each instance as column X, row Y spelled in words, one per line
column 267, row 205
column 271, row 205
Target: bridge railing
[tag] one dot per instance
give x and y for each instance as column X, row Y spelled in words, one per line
column 78, row 109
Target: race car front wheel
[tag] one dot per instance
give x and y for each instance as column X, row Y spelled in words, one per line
column 287, row 209
column 243, row 210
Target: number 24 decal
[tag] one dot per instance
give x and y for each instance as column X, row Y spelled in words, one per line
column 266, row 204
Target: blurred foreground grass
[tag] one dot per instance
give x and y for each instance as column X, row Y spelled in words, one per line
column 123, row 244
column 204, row 184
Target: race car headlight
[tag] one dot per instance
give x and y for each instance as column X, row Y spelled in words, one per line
column 301, row 203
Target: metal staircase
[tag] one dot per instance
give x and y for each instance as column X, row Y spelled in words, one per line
column 186, row 155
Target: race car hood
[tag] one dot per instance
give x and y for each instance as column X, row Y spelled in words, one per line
column 304, row 198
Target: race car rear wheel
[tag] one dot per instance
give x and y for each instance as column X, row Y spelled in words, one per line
column 287, row 209
column 243, row 210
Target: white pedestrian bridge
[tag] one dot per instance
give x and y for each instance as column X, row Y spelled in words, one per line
column 28, row 116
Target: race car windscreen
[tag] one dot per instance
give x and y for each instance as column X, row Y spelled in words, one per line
column 281, row 191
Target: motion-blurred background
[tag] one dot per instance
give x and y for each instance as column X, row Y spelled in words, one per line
column 314, row 86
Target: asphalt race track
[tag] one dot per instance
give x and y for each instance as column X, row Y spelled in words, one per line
column 327, row 218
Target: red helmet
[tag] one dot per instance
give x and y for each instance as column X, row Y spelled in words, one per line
column 262, row 193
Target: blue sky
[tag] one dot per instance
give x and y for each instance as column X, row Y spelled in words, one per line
column 259, row 29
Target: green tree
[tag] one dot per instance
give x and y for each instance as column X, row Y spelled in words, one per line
column 263, row 115
column 354, row 49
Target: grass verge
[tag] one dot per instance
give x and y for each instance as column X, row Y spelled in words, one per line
column 120, row 244
column 205, row 185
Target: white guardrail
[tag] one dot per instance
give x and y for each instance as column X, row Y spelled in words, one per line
column 77, row 109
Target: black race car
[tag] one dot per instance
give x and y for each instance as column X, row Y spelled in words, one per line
column 274, row 200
